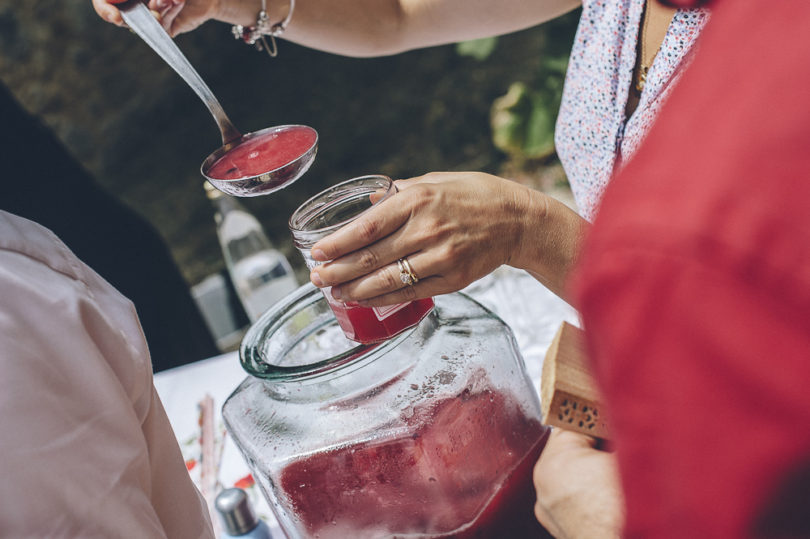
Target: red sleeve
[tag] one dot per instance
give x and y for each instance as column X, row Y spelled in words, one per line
column 706, row 375
column 694, row 290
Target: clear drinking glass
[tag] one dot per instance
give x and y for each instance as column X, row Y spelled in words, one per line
column 325, row 213
column 432, row 433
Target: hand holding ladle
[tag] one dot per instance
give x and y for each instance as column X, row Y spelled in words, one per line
column 258, row 163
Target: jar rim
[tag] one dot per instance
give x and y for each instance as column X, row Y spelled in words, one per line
column 251, row 352
column 326, row 199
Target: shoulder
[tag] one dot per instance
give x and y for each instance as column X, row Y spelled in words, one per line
column 24, row 239
column 76, row 385
column 59, row 314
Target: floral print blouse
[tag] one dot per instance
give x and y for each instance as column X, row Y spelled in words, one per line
column 593, row 136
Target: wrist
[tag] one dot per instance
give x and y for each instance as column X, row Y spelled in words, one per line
column 549, row 240
column 242, row 12
column 246, row 12
column 264, row 26
column 530, row 209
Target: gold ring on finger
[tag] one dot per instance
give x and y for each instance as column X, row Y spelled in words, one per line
column 410, row 270
column 405, row 274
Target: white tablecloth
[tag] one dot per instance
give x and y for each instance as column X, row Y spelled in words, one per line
column 533, row 313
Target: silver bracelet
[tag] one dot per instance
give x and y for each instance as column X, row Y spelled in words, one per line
column 254, row 35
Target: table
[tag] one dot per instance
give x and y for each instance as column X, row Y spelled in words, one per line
column 533, row 313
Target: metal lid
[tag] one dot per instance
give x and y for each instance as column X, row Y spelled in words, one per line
column 235, row 511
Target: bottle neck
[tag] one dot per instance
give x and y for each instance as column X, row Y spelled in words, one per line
column 225, row 204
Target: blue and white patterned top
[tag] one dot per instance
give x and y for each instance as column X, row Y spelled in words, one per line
column 592, row 135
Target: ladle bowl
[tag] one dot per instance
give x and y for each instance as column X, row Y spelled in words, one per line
column 266, row 182
column 138, row 17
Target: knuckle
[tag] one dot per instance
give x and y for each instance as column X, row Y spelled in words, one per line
column 462, row 251
column 418, row 197
column 423, row 194
column 367, row 259
column 368, row 229
column 409, row 293
column 450, row 253
column 388, row 278
column 434, row 230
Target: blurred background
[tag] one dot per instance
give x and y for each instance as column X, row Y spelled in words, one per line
column 134, row 125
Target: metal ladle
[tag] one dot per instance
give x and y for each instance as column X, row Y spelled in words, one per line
column 138, row 17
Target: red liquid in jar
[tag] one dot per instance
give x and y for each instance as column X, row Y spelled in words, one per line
column 363, row 324
column 263, row 153
column 466, row 472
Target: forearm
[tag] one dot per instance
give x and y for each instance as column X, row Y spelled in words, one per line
column 380, row 27
column 549, row 240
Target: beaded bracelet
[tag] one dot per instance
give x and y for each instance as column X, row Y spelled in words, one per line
column 254, row 35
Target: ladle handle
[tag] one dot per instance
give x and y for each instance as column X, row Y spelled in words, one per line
column 142, row 22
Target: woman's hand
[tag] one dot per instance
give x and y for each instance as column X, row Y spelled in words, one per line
column 578, row 492
column 453, row 228
column 176, row 16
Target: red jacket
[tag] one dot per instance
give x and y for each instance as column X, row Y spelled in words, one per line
column 694, row 289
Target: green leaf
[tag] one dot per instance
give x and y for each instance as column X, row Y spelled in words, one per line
column 523, row 123
column 480, row 49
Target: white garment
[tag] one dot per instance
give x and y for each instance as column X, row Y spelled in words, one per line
column 86, row 449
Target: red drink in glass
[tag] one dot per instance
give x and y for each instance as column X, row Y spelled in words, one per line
column 374, row 324
column 464, row 471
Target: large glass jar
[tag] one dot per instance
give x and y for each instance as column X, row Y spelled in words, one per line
column 433, row 433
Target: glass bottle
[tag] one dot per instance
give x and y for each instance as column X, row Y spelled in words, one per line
column 261, row 274
column 432, row 433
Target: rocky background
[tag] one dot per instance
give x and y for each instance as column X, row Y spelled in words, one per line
column 143, row 133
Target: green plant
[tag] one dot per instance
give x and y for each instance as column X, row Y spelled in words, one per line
column 523, row 119
column 480, row 49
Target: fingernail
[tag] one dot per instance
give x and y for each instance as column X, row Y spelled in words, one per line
column 336, row 292
column 161, row 4
column 319, row 255
column 316, row 279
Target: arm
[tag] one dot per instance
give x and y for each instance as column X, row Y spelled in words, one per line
column 454, row 228
column 362, row 27
column 719, row 360
column 87, row 449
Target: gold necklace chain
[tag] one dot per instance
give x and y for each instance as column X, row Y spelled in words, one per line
column 643, row 67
